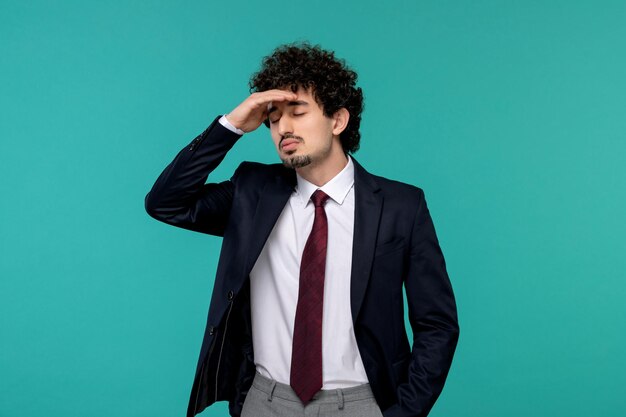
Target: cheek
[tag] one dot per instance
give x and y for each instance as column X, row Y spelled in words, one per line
column 319, row 126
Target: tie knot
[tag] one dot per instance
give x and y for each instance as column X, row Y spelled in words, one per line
column 319, row 197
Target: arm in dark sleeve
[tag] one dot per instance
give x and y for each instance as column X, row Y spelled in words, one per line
column 433, row 319
column 181, row 198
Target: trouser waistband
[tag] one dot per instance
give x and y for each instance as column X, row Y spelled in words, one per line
column 340, row 395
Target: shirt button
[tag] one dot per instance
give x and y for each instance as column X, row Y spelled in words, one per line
column 231, row 295
column 211, row 331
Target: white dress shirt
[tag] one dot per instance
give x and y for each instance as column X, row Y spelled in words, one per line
column 274, row 284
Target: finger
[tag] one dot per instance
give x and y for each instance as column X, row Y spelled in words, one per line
column 276, row 90
column 277, row 95
column 262, row 101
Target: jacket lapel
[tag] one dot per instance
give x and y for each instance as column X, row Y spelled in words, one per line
column 368, row 207
column 271, row 203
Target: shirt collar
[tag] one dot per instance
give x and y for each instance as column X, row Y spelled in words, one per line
column 337, row 188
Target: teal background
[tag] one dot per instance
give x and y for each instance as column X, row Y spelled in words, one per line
column 510, row 116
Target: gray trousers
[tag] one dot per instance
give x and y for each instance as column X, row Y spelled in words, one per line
column 269, row 398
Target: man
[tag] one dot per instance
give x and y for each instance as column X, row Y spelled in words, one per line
column 307, row 315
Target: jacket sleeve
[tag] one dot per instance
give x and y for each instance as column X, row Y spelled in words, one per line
column 181, row 198
column 433, row 320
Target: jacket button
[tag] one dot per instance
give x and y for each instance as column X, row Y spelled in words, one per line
column 211, row 331
column 231, row 295
column 194, row 143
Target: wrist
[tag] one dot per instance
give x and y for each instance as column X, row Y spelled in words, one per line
column 229, row 125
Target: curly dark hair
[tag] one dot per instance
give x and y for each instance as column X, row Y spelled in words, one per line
column 332, row 82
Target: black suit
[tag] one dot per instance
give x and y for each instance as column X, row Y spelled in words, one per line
column 394, row 244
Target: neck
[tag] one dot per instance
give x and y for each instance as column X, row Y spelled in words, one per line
column 320, row 174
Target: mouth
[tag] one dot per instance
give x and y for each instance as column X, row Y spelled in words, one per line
column 289, row 144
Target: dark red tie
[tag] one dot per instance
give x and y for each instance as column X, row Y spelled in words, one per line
column 306, row 356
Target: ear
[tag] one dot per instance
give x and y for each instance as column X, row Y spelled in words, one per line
column 340, row 120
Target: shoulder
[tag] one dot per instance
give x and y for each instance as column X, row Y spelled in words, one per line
column 392, row 190
column 255, row 167
column 395, row 186
column 400, row 192
column 257, row 171
column 405, row 199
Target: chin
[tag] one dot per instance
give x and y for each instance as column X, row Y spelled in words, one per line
column 296, row 161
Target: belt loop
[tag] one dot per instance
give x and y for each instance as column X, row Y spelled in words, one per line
column 271, row 394
column 340, row 395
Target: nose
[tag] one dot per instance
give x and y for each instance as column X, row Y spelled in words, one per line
column 284, row 125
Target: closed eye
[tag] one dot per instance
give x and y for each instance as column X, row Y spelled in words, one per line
column 295, row 114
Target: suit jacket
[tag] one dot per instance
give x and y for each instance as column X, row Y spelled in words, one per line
column 394, row 245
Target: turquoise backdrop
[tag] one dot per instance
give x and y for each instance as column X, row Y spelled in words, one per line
column 510, row 115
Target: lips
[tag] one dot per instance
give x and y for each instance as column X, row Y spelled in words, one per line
column 289, row 144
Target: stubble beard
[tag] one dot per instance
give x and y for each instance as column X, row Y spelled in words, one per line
column 299, row 161
column 296, row 161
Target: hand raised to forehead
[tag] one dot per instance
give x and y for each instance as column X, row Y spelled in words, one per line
column 249, row 115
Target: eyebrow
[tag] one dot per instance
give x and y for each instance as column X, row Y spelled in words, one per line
column 290, row 103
